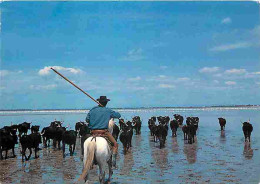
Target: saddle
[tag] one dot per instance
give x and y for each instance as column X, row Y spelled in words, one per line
column 94, row 135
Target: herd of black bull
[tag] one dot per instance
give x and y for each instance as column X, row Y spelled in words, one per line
column 58, row 133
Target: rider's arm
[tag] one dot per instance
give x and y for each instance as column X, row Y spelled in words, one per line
column 115, row 114
column 88, row 118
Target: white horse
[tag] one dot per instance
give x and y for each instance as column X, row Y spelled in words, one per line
column 99, row 149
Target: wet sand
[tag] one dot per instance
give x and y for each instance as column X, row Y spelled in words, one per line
column 219, row 160
column 215, row 157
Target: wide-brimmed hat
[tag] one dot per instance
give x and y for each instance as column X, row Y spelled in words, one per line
column 103, row 99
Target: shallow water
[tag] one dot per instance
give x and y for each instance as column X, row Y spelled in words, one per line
column 216, row 157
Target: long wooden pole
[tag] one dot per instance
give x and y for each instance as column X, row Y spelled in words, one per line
column 76, row 86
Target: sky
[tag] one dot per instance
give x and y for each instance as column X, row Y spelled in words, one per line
column 138, row 54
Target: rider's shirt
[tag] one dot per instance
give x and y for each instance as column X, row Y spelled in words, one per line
column 98, row 117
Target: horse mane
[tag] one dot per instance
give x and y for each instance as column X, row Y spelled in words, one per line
column 111, row 125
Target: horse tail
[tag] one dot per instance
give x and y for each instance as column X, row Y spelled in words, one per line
column 89, row 159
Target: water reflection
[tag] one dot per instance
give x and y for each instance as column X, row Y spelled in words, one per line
column 128, row 163
column 69, row 168
column 7, row 168
column 190, row 151
column 175, row 146
column 248, row 151
column 32, row 171
column 160, row 156
column 222, row 136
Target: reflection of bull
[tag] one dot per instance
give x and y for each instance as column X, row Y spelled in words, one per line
column 247, row 129
column 248, row 151
column 222, row 123
column 191, row 152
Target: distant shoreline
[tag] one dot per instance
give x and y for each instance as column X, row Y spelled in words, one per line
column 183, row 107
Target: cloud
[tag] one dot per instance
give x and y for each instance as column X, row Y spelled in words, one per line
column 230, row 83
column 227, row 47
column 135, row 79
column 137, row 88
column 166, row 86
column 162, row 76
column 226, row 20
column 4, row 72
column 43, row 87
column 216, row 81
column 134, row 55
column 163, row 67
column 46, row 70
column 235, row 71
column 160, row 44
column 209, row 69
column 7, row 72
column 183, row 79
column 256, row 73
column 256, row 31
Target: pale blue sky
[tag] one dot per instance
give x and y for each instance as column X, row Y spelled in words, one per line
column 139, row 54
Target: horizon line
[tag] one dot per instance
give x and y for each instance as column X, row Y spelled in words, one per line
column 249, row 105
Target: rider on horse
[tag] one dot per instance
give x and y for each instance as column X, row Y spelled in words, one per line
column 98, row 119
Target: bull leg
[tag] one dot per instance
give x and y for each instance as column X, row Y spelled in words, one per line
column 13, row 153
column 59, row 145
column 35, row 152
column 1, row 156
column 23, row 154
column 74, row 145
column 30, row 154
column 6, row 151
column 71, row 150
column 63, row 149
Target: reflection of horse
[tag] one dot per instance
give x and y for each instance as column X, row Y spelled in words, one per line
column 248, row 151
column 99, row 149
column 190, row 150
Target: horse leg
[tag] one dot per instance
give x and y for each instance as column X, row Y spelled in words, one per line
column 110, row 169
column 13, row 153
column 74, row 145
column 101, row 174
